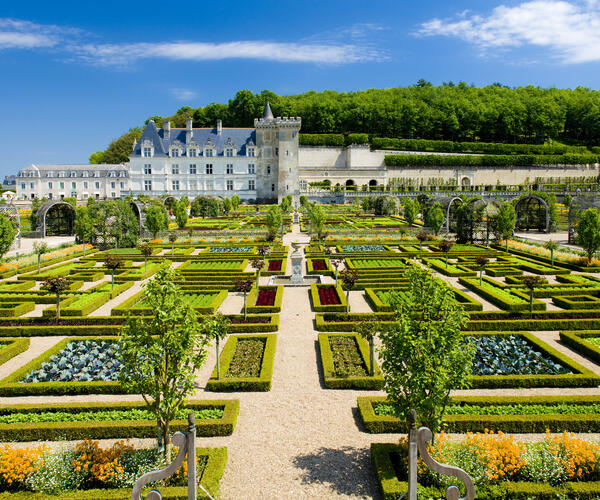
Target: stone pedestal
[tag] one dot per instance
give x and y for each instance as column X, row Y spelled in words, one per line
column 296, row 278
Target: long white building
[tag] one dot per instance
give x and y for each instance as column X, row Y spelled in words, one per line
column 53, row 181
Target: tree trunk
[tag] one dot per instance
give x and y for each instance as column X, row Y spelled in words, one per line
column 168, row 446
column 172, row 249
column 372, row 354
column 112, row 279
column 480, row 276
column 145, row 264
column 84, row 249
column 552, row 258
column 347, row 301
column 531, row 303
column 336, row 277
column 58, row 306
column 507, row 244
column 446, row 260
column 39, row 256
column 218, row 363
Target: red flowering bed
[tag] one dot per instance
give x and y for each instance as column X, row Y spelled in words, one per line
column 319, row 265
column 274, row 265
column 328, row 296
column 266, row 297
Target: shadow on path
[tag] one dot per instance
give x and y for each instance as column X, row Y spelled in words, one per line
column 347, row 470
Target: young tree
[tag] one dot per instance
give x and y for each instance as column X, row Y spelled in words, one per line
column 336, row 262
column 8, row 231
column 368, row 331
column 303, row 201
column 421, row 236
column 317, row 218
column 161, row 354
column 227, row 206
column 274, row 221
column 506, row 219
column 146, row 250
column 40, row 248
column 244, row 284
column 567, row 200
column 411, row 210
column 172, row 239
column 349, row 278
column 216, row 327
column 481, row 261
column 285, row 205
column 588, row 232
column 56, row 285
column 531, row 282
column 113, row 262
column 424, row 353
column 257, row 264
column 366, row 204
column 181, row 215
column 435, row 218
column 156, row 219
column 445, row 246
column 551, row 245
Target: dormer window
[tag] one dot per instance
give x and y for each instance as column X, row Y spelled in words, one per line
column 122, row 173
column 147, row 151
column 49, row 174
column 61, row 174
column 73, row 174
column 229, row 152
column 96, row 173
column 85, row 173
column 174, row 152
column 208, row 152
column 192, row 153
column 252, row 152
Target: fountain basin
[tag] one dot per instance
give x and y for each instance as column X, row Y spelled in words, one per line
column 286, row 280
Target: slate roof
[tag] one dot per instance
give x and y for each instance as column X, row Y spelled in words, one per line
column 239, row 137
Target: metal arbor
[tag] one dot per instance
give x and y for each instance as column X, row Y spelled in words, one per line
column 578, row 205
column 532, row 213
column 55, row 217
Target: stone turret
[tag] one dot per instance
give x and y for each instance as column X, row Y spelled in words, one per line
column 277, row 165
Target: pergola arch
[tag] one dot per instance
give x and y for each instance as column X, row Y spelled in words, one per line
column 140, row 214
column 62, row 218
column 527, row 218
column 577, row 206
column 447, row 202
column 13, row 214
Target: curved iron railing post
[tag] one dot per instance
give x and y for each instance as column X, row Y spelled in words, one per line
column 186, row 442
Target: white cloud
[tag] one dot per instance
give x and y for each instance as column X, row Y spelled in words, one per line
column 125, row 54
column 183, row 94
column 18, row 34
column 570, row 29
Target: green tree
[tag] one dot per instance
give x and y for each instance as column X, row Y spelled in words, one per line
column 411, row 210
column 146, row 250
column 119, row 150
column 181, row 215
column 157, row 219
column 71, row 200
column 172, row 239
column 235, row 202
column 216, row 326
column 349, row 279
column 385, row 205
column 588, row 232
column 366, row 204
column 317, row 218
column 274, row 221
column 424, row 353
column 552, row 246
column 227, row 206
column 285, row 205
column 8, row 232
column 56, row 285
column 445, row 246
column 481, row 261
column 161, row 354
column 97, row 157
column 113, row 224
column 531, row 282
column 368, row 331
column 435, row 217
column 422, row 236
column 257, row 264
column 506, row 219
column 83, row 226
column 40, row 248
column 567, row 200
column 243, row 284
column 303, row 201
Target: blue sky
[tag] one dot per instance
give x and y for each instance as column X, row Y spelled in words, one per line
column 74, row 75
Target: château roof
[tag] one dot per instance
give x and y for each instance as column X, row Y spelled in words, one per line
column 268, row 114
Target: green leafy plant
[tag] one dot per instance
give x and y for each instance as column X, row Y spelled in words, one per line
column 56, row 285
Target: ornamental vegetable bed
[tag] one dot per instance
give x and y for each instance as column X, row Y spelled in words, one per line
column 327, row 297
column 274, row 265
column 363, row 248
column 230, row 250
column 110, row 420
column 267, row 299
column 346, row 362
column 319, row 265
column 246, row 364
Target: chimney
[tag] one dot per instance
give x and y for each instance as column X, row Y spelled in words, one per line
column 166, row 129
column 188, row 130
column 219, row 127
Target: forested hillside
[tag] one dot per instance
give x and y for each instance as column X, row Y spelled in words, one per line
column 494, row 113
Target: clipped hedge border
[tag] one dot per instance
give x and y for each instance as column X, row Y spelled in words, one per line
column 332, row 381
column 126, row 308
column 325, row 272
column 383, row 424
column 251, row 306
column 283, row 269
column 262, row 383
column 568, row 302
column 59, row 330
column 12, row 348
column 13, row 310
column 316, row 301
column 212, row 474
column 58, row 431
column 501, row 301
column 391, row 488
column 577, row 341
column 11, row 385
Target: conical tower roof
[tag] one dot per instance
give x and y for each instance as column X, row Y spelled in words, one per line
column 268, row 114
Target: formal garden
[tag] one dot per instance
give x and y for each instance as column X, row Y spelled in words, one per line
column 303, row 391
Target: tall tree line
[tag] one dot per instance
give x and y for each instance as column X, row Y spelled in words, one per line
column 461, row 112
